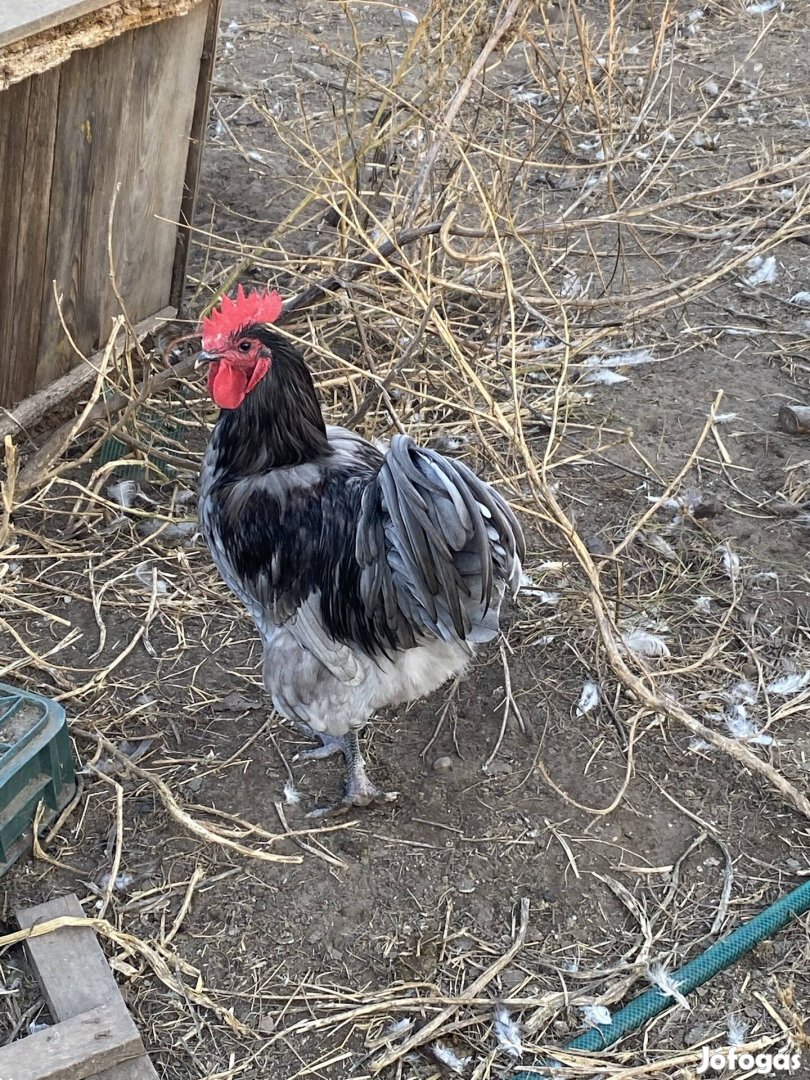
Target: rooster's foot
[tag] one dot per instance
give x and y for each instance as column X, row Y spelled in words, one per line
column 360, row 791
column 360, row 796
column 366, row 794
column 328, row 748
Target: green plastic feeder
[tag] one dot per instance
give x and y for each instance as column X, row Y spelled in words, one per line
column 35, row 766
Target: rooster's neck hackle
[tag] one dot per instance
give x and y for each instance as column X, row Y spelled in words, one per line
column 279, row 423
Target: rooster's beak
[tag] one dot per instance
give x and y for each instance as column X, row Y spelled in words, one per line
column 203, row 358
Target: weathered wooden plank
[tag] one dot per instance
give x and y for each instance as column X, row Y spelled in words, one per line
column 93, row 88
column 69, row 963
column 26, row 17
column 199, row 123
column 13, row 125
column 104, row 1038
column 18, row 372
column 66, row 388
column 48, row 49
column 152, row 158
column 23, row 18
column 125, row 110
column 75, row 976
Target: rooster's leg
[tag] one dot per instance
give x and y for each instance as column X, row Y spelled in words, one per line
column 359, row 789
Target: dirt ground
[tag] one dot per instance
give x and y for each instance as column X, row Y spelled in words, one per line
column 633, row 841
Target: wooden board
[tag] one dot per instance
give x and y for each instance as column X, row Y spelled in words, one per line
column 199, row 123
column 93, row 87
column 153, row 156
column 13, row 126
column 64, row 391
column 102, row 1040
column 18, row 374
column 120, row 123
column 75, row 976
column 22, row 18
column 125, row 111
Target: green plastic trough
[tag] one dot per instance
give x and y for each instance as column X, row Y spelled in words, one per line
column 35, row 766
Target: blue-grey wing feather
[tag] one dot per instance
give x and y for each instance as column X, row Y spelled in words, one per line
column 438, row 547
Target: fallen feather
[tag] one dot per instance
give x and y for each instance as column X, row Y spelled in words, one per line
column 122, row 881
column 617, row 360
column 507, row 1032
column 705, row 140
column 540, row 344
column 801, row 299
column 741, row 692
column 764, row 6
column 699, row 744
column 643, row 643
column 572, row 286
column 410, row 18
column 149, row 578
column 730, row 562
column 741, row 727
column 605, row 378
column 448, row 1057
column 589, row 698
column 181, row 530
column 787, row 685
column 660, row 977
column 725, row 417
column 398, row 1028
column 596, row 1015
column 763, row 271
column 547, row 597
column 124, row 492
column 659, row 544
column 704, row 605
column 737, row 1030
column 292, row 796
column 528, row 97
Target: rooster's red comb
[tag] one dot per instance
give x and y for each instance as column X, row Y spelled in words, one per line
column 231, row 315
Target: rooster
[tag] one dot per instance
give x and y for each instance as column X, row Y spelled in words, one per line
column 372, row 576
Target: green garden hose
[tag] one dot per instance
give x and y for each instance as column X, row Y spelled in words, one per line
column 698, row 971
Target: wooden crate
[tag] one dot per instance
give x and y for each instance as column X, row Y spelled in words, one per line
column 103, row 107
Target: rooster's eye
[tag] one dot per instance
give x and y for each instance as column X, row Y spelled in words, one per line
column 244, row 346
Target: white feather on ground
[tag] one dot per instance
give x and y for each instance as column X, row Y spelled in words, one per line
column 507, row 1032
column 605, row 378
column 730, row 562
column 446, row 1056
column 596, row 1015
column 740, row 726
column 643, row 643
column 619, row 360
column 763, row 271
column 292, row 796
column 660, row 977
column 589, row 698
column 787, row 685
column 147, row 577
column 737, row 1030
